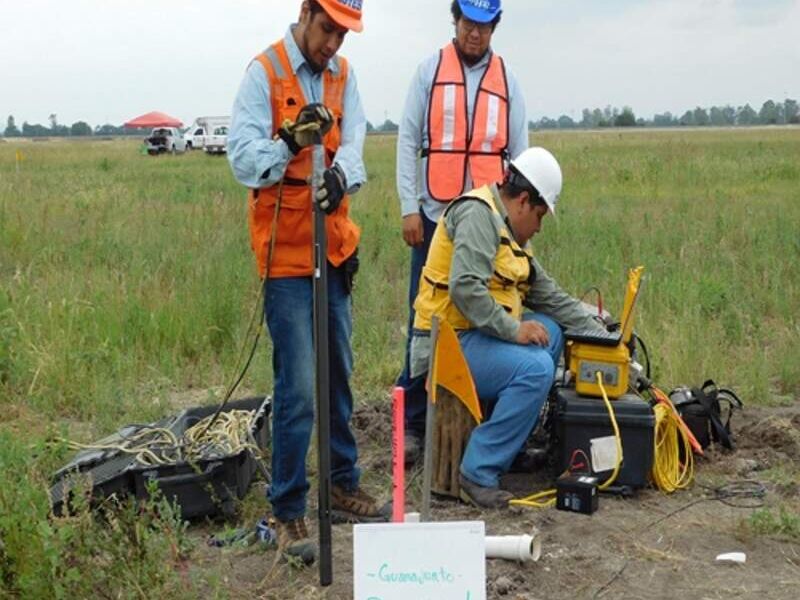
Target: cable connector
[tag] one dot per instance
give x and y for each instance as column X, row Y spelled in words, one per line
column 641, row 382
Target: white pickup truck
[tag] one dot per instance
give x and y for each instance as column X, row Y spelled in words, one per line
column 201, row 129
column 217, row 142
column 165, row 139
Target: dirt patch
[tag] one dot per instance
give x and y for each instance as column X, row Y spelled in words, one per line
column 779, row 431
column 651, row 546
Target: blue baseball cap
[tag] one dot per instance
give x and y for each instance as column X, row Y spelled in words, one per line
column 480, row 11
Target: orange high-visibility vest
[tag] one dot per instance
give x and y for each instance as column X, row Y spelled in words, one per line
column 455, row 148
column 293, row 254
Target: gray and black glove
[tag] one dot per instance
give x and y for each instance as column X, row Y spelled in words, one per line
column 313, row 122
column 333, row 189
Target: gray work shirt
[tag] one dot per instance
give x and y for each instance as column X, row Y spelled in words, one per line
column 473, row 229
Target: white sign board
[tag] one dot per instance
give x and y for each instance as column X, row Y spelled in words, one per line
column 423, row 561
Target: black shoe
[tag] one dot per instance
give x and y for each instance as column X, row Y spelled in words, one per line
column 413, row 449
column 529, row 460
column 483, row 497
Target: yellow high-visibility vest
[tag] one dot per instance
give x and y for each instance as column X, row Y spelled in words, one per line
column 507, row 285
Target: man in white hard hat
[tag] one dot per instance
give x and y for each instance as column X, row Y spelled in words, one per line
column 464, row 118
column 480, row 276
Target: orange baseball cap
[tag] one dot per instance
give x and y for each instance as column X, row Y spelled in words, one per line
column 346, row 13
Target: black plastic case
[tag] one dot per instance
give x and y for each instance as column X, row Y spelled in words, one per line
column 206, row 488
column 579, row 419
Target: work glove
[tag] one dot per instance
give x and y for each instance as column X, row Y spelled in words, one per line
column 330, row 194
column 313, row 122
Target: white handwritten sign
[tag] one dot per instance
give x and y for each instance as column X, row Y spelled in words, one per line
column 424, row 561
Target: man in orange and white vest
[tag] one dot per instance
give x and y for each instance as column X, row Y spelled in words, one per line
column 464, row 119
column 296, row 93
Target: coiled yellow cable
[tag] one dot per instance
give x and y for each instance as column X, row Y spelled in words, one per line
column 669, row 473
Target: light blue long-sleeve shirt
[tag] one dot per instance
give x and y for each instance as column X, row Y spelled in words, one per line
column 412, row 183
column 259, row 161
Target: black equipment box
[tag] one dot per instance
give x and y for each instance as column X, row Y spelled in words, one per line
column 578, row 420
column 577, row 493
column 201, row 489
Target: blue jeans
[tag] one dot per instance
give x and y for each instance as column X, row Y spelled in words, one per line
column 513, row 381
column 289, row 307
column 416, row 399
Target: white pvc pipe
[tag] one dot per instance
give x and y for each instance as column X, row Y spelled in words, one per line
column 522, row 548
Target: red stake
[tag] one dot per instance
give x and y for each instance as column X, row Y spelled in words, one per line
column 398, row 455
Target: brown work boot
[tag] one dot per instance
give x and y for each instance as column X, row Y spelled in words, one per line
column 357, row 506
column 294, row 544
column 482, row 497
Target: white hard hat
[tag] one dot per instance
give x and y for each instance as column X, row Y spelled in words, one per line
column 542, row 171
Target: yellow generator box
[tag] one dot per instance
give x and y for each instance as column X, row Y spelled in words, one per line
column 585, row 360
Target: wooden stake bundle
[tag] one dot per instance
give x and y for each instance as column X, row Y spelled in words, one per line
column 452, row 428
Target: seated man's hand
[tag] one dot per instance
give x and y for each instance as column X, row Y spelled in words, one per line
column 532, row 332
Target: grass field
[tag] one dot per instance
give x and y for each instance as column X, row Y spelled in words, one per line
column 127, row 279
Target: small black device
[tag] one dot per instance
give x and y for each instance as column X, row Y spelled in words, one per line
column 577, row 493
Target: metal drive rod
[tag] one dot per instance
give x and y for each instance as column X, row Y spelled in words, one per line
column 322, row 374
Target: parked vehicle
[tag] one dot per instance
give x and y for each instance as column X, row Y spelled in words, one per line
column 217, row 142
column 203, row 127
column 165, row 139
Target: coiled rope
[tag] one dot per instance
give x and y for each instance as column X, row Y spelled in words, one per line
column 216, row 436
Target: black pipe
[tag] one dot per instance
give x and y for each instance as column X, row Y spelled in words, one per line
column 322, row 377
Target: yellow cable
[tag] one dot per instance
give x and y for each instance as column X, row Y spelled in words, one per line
column 544, row 499
column 617, row 435
column 668, row 473
column 547, row 498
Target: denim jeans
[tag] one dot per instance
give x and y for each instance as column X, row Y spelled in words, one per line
column 513, row 381
column 416, row 398
column 289, row 307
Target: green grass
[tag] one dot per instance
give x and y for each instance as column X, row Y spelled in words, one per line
column 781, row 522
column 126, row 278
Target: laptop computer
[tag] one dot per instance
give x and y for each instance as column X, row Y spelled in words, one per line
column 622, row 335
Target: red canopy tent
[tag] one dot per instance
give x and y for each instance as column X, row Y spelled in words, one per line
column 154, row 119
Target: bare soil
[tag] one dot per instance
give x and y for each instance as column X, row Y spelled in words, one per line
column 650, row 546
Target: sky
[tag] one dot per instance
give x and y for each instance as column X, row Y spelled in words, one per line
column 107, row 61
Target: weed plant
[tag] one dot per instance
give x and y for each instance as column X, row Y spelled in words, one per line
column 781, row 522
column 121, row 550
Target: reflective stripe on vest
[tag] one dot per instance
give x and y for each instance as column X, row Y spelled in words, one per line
column 508, row 284
column 293, row 254
column 456, row 149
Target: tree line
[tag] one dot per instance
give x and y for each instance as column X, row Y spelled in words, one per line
column 56, row 129
column 771, row 113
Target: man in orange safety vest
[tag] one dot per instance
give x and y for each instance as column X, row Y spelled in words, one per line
column 464, row 119
column 297, row 93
